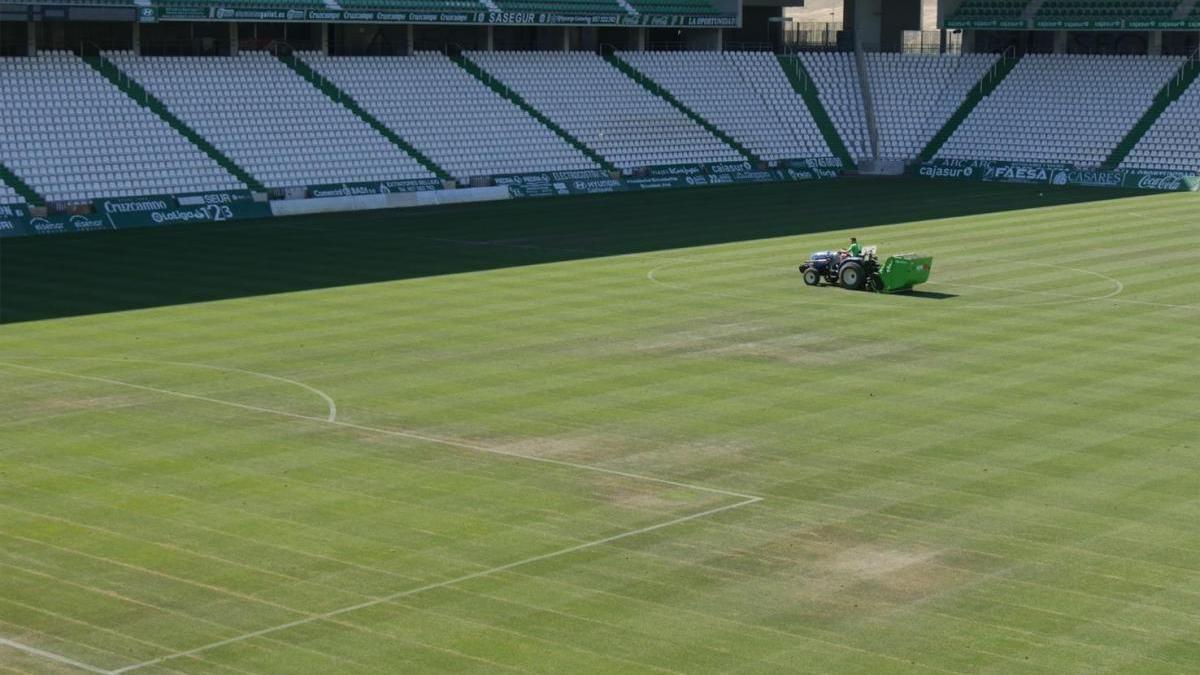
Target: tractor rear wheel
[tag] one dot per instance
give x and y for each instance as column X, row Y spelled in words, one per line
column 811, row 277
column 851, row 277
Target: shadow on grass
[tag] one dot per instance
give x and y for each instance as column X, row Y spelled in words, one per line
column 929, row 295
column 44, row 278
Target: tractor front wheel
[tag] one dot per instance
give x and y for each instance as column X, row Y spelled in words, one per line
column 851, row 277
column 811, row 277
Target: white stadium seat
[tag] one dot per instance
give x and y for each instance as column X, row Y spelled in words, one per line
column 744, row 94
column 9, row 195
column 270, row 121
column 1061, row 109
column 915, row 94
column 454, row 119
column 1173, row 143
column 73, row 136
column 836, row 78
column 605, row 109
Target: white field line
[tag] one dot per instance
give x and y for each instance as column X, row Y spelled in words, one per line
column 329, row 402
column 436, row 585
column 744, row 500
column 34, row 651
column 451, row 442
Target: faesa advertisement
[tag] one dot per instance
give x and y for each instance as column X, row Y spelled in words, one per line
column 1039, row 174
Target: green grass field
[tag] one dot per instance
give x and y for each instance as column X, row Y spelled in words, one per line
column 611, row 434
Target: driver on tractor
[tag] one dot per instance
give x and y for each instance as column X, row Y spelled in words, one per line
column 854, row 251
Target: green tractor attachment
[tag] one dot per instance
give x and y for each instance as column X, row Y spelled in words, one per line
column 902, row 272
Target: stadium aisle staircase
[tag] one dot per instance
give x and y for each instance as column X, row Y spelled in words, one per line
column 139, row 95
column 1171, row 141
column 439, row 108
column 605, row 109
column 477, row 71
column 13, row 190
column 803, row 84
column 915, row 94
column 837, row 86
column 736, row 93
column 986, row 85
column 337, row 95
column 661, row 92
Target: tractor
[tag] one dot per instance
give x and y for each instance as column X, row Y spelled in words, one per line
column 897, row 274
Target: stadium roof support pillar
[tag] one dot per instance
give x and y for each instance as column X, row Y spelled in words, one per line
column 639, row 39
column 233, row 39
column 1060, row 42
column 566, row 43
column 408, row 40
column 490, row 39
column 31, row 37
column 136, row 39
column 324, row 39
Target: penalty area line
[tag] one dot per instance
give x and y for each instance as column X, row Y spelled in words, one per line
column 51, row 656
column 400, row 433
column 433, row 586
column 743, row 500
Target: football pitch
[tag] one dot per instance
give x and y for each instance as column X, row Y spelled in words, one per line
column 609, row 434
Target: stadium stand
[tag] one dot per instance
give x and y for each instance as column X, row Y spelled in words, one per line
column 991, row 9
column 417, row 5
column 605, row 109
column 916, row 93
column 257, row 4
column 1061, row 109
column 462, row 125
column 1107, row 9
column 73, row 136
column 1173, row 143
column 836, row 77
column 267, row 4
column 682, row 7
column 270, row 121
column 745, row 94
column 562, row 6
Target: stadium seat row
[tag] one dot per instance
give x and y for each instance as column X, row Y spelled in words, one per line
column 72, row 135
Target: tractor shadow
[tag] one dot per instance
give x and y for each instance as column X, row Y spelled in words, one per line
column 75, row 275
column 928, row 295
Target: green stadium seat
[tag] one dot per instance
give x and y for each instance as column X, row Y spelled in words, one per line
column 991, row 9
column 563, row 6
column 1108, row 10
column 682, row 7
column 417, row 5
column 261, row 4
